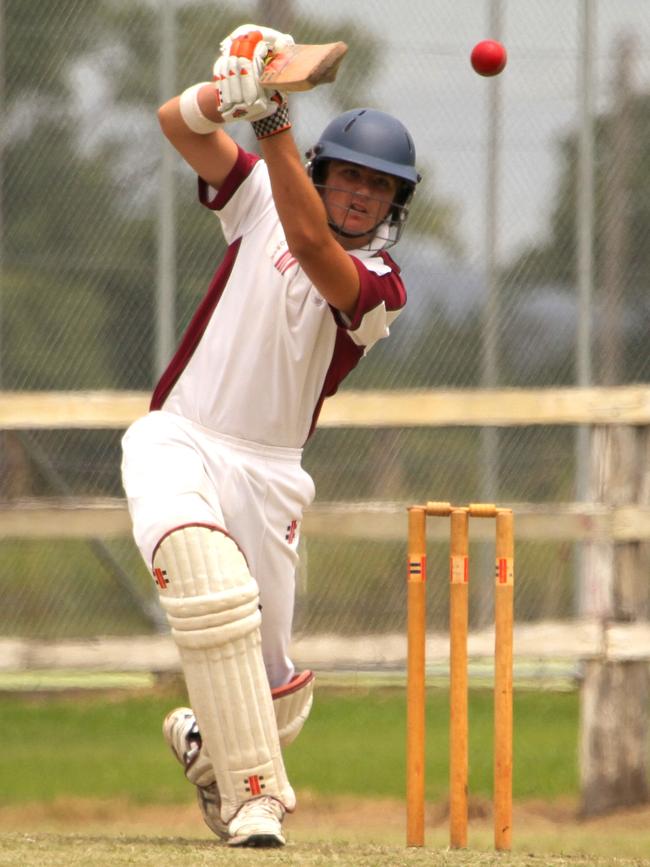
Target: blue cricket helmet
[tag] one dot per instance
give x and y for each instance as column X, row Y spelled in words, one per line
column 376, row 140
column 368, row 138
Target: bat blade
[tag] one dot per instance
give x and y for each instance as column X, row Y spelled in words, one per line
column 301, row 67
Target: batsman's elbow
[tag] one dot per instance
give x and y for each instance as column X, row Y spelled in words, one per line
column 169, row 117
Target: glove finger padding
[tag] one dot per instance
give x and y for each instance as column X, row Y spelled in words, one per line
column 274, row 39
column 222, row 85
column 248, row 53
column 237, row 78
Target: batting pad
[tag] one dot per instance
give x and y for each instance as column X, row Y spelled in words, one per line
column 212, row 604
column 292, row 704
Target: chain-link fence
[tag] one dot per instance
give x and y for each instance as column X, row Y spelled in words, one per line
column 526, row 258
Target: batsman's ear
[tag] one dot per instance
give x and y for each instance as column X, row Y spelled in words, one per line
column 311, row 154
column 316, row 169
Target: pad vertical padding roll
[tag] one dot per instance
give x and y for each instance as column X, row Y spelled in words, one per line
column 212, row 604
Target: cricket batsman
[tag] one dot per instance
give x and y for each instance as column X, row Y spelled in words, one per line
column 213, row 473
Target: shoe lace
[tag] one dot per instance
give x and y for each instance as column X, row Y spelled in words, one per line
column 265, row 806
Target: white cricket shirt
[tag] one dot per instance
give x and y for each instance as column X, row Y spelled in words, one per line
column 264, row 349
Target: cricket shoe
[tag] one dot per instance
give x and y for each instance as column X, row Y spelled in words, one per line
column 181, row 732
column 258, row 822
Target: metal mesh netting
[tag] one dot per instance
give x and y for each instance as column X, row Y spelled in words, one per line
column 104, row 258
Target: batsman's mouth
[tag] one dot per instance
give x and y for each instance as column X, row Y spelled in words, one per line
column 356, row 212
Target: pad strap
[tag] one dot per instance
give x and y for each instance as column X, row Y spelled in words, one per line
column 292, row 704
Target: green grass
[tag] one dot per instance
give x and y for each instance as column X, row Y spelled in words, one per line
column 35, row 850
column 87, row 779
column 64, row 576
column 353, row 744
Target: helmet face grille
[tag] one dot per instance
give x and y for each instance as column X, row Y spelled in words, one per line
column 385, row 234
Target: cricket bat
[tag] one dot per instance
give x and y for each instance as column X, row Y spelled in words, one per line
column 301, row 67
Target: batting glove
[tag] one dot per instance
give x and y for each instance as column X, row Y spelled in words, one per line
column 238, row 68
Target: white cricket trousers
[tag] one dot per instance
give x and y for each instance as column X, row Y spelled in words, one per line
column 176, row 472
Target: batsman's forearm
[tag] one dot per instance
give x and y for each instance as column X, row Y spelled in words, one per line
column 306, row 228
column 211, row 155
column 299, row 206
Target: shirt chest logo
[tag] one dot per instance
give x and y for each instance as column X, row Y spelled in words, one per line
column 281, row 257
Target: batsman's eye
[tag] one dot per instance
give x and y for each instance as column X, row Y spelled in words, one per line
column 379, row 182
column 383, row 184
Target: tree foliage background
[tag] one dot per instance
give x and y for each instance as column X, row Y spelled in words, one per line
column 80, row 173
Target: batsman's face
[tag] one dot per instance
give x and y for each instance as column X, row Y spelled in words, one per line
column 357, row 199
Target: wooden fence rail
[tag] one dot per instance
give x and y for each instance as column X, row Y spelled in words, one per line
column 507, row 407
column 107, row 517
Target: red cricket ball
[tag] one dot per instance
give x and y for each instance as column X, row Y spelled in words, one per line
column 488, row 57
